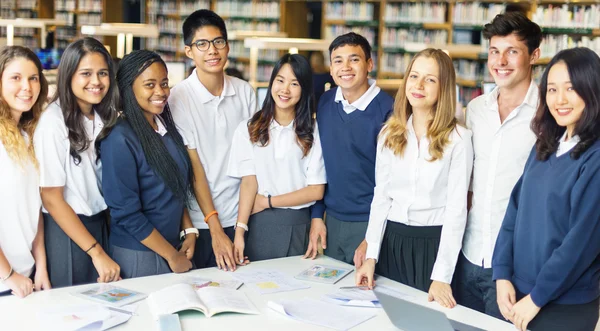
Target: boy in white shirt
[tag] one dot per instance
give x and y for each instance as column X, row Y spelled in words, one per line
column 207, row 107
column 502, row 140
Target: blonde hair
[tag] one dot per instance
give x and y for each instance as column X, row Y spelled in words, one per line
column 440, row 128
column 10, row 133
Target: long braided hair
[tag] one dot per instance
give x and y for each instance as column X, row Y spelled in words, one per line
column 155, row 150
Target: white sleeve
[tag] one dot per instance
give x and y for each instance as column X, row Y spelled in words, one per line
column 241, row 156
column 51, row 144
column 455, row 213
column 315, row 172
column 382, row 202
column 182, row 119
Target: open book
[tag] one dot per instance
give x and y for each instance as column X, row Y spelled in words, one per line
column 208, row 300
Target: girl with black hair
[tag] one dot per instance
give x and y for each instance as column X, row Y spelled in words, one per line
column 75, row 215
column 147, row 175
column 277, row 153
column 545, row 262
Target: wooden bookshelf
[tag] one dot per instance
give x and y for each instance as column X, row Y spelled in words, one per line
column 9, row 9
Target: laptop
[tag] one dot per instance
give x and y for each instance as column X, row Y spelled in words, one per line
column 409, row 316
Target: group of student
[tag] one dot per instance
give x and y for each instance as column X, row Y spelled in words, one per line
column 118, row 176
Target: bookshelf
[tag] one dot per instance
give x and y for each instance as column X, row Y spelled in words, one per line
column 10, row 9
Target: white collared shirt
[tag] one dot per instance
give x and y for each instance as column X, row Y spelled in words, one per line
column 160, row 126
column 411, row 190
column 20, row 205
column 82, row 182
column 279, row 167
column 361, row 103
column 207, row 123
column 564, row 146
column 501, row 150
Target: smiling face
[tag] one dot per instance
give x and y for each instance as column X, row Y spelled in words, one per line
column 509, row 61
column 565, row 105
column 20, row 85
column 91, row 81
column 422, row 84
column 211, row 61
column 350, row 68
column 151, row 89
column 286, row 90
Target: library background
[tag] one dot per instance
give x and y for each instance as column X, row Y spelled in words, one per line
column 396, row 29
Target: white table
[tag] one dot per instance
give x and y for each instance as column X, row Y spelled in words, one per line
column 20, row 314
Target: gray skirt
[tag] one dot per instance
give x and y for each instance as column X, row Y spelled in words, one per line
column 67, row 263
column 138, row 263
column 275, row 233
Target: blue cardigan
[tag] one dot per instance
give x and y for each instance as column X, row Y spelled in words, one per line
column 349, row 143
column 138, row 198
column 549, row 242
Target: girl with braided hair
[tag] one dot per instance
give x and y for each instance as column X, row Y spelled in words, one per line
column 147, row 175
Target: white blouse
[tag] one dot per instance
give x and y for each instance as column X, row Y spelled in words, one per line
column 279, row 167
column 83, row 182
column 20, row 205
column 411, row 190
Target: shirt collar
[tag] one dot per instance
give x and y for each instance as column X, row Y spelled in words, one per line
column 161, row 128
column 204, row 95
column 531, row 98
column 363, row 102
column 573, row 140
column 277, row 126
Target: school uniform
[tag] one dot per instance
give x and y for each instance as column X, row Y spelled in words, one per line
column 207, row 124
column 548, row 244
column 139, row 200
column 501, row 150
column 20, row 204
column 348, row 134
column 419, row 210
column 280, row 168
column 67, row 263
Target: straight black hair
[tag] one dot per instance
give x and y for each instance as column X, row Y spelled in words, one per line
column 106, row 109
column 352, row 39
column 258, row 125
column 201, row 18
column 515, row 22
column 130, row 67
column 583, row 65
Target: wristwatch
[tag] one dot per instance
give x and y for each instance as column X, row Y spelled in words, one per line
column 187, row 231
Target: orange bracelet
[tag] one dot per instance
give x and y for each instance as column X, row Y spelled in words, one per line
column 214, row 212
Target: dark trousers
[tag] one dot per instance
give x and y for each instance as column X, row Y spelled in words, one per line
column 343, row 238
column 204, row 257
column 557, row 317
column 474, row 287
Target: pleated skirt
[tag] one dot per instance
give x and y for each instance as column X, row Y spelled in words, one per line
column 408, row 254
column 135, row 263
column 68, row 264
column 275, row 233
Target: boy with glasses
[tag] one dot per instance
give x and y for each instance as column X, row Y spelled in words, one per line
column 207, row 107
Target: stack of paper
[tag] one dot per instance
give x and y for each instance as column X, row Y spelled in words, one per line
column 353, row 297
column 321, row 313
column 84, row 317
column 269, row 281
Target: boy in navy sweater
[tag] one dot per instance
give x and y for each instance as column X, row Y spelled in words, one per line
column 350, row 118
column 546, row 262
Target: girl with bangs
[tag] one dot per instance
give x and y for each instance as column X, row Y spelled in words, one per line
column 277, row 153
column 23, row 91
column 422, row 173
column 74, row 210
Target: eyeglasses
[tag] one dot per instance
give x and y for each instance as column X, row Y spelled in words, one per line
column 203, row 45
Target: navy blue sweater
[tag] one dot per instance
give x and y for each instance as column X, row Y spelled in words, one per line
column 349, row 143
column 549, row 242
column 138, row 198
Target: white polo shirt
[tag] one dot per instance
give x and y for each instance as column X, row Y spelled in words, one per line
column 207, row 123
column 82, row 182
column 20, row 205
column 280, row 166
column 501, row 150
column 361, row 103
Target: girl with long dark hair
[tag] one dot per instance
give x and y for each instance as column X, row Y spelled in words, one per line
column 277, row 153
column 23, row 91
column 545, row 262
column 147, row 175
column 75, row 215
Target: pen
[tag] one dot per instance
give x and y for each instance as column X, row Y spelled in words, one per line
column 122, row 311
column 354, row 287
